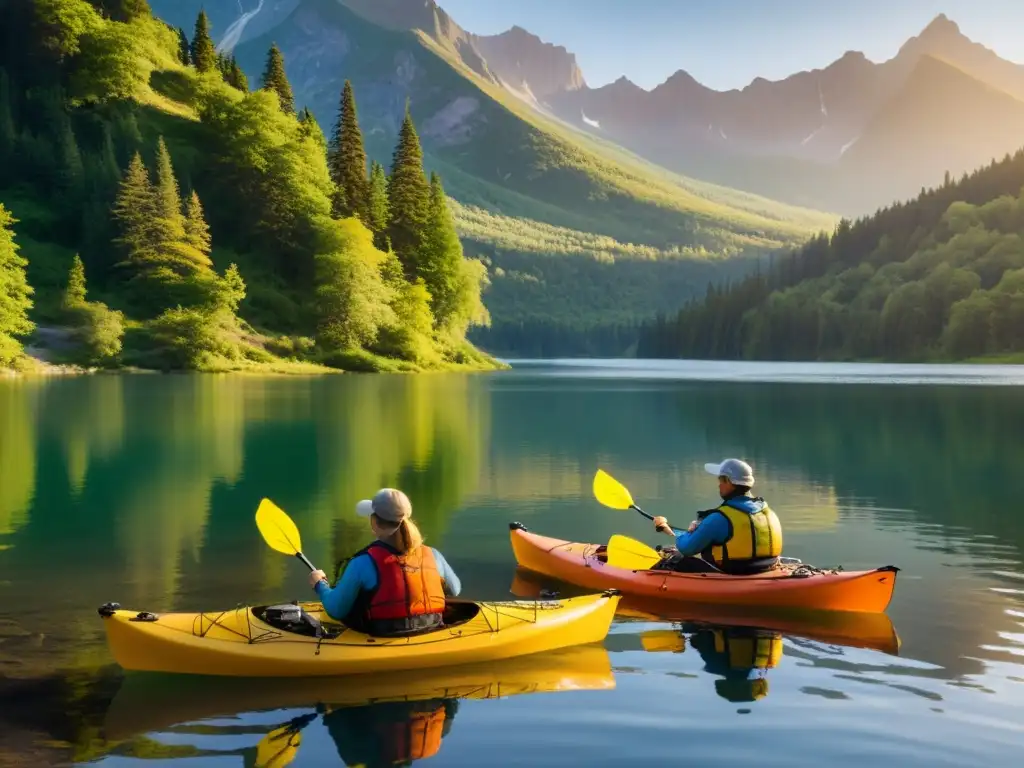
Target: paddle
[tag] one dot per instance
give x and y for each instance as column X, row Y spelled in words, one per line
column 279, row 747
column 633, row 555
column 614, row 494
column 279, row 531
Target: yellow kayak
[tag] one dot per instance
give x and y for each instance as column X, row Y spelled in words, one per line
column 152, row 702
column 299, row 640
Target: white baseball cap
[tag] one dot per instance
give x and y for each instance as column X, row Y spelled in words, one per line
column 388, row 504
column 738, row 472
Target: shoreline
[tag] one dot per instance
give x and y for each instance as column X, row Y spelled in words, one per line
column 32, row 366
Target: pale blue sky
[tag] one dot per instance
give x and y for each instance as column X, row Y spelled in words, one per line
column 727, row 43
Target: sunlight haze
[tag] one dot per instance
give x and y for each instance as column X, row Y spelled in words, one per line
column 727, row 44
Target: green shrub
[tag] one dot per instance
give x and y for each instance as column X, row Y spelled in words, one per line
column 99, row 330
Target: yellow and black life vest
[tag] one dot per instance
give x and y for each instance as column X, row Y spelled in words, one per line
column 759, row 650
column 755, row 532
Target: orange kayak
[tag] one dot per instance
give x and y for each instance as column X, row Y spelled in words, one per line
column 788, row 586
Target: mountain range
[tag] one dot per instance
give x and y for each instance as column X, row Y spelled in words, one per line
column 823, row 137
column 540, row 164
column 819, row 138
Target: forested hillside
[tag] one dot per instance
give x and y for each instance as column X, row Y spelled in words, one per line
column 939, row 277
column 159, row 211
column 577, row 232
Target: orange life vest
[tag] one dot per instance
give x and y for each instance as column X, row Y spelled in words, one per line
column 407, row 585
column 417, row 739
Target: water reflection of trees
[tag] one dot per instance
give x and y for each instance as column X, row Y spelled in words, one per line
column 143, row 489
column 949, row 453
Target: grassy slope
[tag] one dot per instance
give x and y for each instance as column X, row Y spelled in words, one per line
column 543, row 183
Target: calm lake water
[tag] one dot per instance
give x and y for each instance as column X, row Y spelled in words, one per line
column 142, row 490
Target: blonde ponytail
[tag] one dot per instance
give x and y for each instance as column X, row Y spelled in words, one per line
column 406, row 538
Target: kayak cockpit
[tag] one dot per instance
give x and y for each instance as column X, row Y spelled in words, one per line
column 295, row 619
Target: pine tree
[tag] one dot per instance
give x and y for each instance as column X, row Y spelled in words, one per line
column 275, row 79
column 440, row 264
column 70, row 171
column 168, row 220
column 197, row 233
column 347, row 162
column 204, row 55
column 408, row 197
column 74, row 292
column 15, row 292
column 236, row 77
column 133, row 210
column 184, row 55
column 380, row 212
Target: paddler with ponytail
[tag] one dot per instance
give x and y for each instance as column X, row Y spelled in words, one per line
column 397, row 585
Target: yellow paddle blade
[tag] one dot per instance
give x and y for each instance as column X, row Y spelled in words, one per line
column 624, row 552
column 277, row 528
column 611, row 492
column 655, row 640
column 278, row 748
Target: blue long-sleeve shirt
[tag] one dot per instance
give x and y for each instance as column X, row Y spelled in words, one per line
column 713, row 529
column 361, row 574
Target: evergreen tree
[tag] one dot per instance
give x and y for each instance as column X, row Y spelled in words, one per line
column 236, row 77
column 184, row 54
column 197, row 233
column 380, row 211
column 134, row 210
column 168, row 220
column 274, row 79
column 440, row 263
column 15, row 292
column 408, row 197
column 74, row 292
column 204, row 55
column 70, row 171
column 347, row 162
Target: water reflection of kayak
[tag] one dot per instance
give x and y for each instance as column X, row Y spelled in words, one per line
column 790, row 586
column 874, row 631
column 153, row 701
column 298, row 640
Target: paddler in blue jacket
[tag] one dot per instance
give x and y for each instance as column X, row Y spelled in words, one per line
column 740, row 536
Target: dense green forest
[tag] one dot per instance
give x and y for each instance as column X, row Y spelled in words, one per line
column 937, row 277
column 157, row 212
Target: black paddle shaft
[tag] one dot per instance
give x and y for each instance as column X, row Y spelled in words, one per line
column 305, row 561
column 649, row 517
